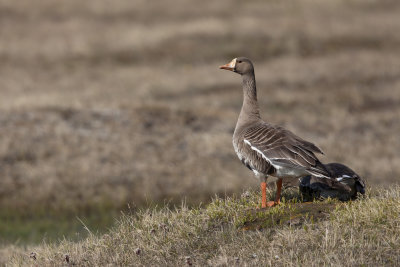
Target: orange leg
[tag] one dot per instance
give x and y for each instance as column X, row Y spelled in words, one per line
column 278, row 191
column 278, row 194
column 264, row 194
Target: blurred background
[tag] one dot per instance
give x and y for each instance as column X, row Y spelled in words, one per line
column 106, row 105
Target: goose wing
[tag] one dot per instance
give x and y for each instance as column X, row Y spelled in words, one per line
column 282, row 148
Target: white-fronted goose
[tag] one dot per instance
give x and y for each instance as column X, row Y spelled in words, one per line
column 268, row 150
column 343, row 184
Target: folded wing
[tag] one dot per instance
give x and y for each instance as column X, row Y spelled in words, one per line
column 281, row 147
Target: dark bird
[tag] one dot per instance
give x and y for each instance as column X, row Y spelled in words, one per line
column 343, row 184
column 271, row 152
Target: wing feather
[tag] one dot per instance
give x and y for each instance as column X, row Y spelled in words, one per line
column 277, row 144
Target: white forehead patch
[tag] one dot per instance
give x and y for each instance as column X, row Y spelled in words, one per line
column 233, row 63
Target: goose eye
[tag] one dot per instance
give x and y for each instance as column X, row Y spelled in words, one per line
column 238, row 61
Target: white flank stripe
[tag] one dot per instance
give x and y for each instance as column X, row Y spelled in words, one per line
column 343, row 177
column 262, row 154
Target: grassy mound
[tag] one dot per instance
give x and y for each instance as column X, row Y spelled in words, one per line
column 233, row 231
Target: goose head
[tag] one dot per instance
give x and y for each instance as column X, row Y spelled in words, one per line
column 240, row 65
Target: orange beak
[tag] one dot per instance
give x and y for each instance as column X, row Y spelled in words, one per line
column 230, row 66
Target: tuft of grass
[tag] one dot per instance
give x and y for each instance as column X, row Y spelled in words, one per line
column 364, row 232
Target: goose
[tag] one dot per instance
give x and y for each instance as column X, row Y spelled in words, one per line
column 344, row 184
column 273, row 153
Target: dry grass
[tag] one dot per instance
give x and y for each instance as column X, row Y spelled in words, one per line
column 360, row 233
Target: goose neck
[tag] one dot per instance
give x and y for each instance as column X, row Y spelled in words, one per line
column 250, row 110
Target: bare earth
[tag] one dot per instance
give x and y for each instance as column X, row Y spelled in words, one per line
column 122, row 101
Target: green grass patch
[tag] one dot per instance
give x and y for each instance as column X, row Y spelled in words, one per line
column 52, row 226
